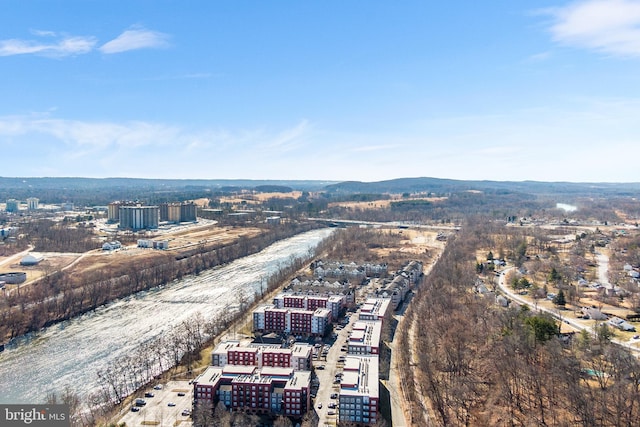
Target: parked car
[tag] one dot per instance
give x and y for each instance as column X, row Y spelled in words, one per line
column 334, row 395
column 148, row 394
column 140, row 402
column 181, row 393
column 186, row 413
column 331, row 412
column 135, row 409
column 157, row 387
column 171, row 404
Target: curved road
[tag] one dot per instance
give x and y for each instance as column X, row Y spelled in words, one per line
column 602, row 272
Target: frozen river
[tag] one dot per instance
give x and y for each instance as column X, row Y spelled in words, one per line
column 72, row 352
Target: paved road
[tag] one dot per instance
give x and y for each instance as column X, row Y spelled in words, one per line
column 557, row 314
column 395, row 395
column 10, row 260
column 328, row 375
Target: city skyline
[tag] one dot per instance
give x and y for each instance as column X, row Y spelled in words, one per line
column 536, row 90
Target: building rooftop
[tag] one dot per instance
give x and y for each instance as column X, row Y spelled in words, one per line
column 366, row 333
column 238, row 370
column 364, row 381
column 224, row 346
column 301, row 349
column 375, row 307
column 210, row 376
column 322, row 312
column 299, row 380
column 255, row 379
column 276, row 372
column 253, row 350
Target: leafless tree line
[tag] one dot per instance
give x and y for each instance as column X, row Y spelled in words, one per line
column 62, row 295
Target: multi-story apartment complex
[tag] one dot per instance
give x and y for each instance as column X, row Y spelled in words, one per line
column 298, row 356
column 12, row 205
column 139, row 217
column 32, row 203
column 113, row 210
column 365, row 338
column 188, row 212
column 219, row 353
column 275, row 391
column 178, row 212
column 359, row 391
column 374, row 309
column 170, row 212
column 297, row 321
column 334, row 303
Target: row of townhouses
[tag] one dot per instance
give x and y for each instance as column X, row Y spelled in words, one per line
column 352, row 270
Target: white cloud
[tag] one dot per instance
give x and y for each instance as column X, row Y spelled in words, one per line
column 93, row 148
column 608, row 26
column 289, row 139
column 66, row 46
column 134, row 39
column 43, row 33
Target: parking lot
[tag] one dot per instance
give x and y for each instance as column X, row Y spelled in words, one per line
column 164, row 408
column 329, row 373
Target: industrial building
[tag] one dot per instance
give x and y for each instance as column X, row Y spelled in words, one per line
column 31, row 259
column 14, row 277
column 153, row 244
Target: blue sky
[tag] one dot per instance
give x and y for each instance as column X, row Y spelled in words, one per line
column 328, row 90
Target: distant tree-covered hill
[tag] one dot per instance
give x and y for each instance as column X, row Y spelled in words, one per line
column 100, row 191
column 444, row 186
